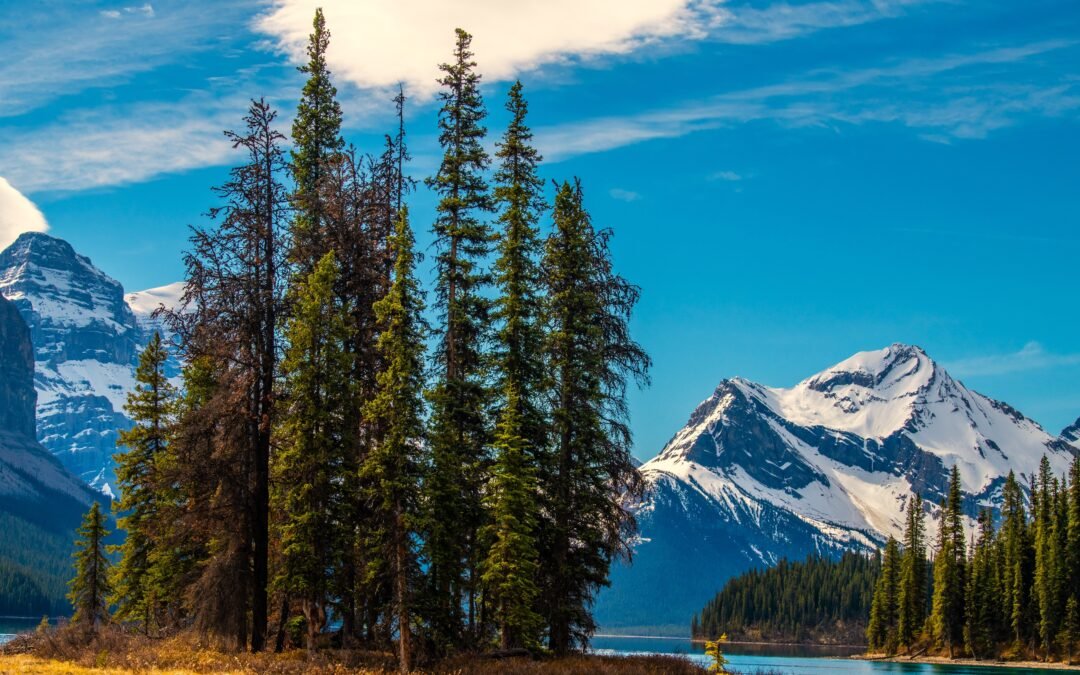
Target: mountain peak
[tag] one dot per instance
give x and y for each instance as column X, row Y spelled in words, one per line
column 876, row 369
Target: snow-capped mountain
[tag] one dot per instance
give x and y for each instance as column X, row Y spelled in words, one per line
column 86, row 341
column 760, row 473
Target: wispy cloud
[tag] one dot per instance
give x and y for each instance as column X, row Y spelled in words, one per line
column 75, row 47
column 729, row 176
column 1032, row 356
column 17, row 214
column 895, row 93
column 146, row 10
column 624, row 195
column 744, row 24
column 121, row 145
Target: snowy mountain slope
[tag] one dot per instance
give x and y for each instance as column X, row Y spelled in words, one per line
column 759, row 473
column 144, row 303
column 86, row 342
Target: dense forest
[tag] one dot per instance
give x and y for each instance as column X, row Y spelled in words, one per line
column 1008, row 591
column 34, row 569
column 349, row 463
column 818, row 600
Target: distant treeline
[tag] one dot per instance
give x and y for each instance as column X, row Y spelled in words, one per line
column 817, row 600
column 331, row 459
column 1012, row 590
column 35, row 565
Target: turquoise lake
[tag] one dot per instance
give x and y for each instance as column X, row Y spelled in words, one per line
column 791, row 660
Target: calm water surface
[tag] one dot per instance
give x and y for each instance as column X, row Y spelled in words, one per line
column 790, row 660
column 11, row 625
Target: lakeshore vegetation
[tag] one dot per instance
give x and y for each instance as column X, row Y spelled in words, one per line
column 343, row 469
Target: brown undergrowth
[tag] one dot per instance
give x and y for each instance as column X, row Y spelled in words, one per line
column 113, row 651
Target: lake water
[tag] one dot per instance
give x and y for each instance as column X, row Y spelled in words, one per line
column 790, row 660
column 11, row 625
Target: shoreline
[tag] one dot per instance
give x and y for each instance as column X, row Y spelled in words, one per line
column 946, row 661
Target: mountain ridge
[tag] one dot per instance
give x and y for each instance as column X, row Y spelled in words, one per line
column 759, row 473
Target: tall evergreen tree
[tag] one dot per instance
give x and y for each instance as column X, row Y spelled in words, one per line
column 89, row 589
column 912, row 594
column 983, row 607
column 1047, row 587
column 509, row 570
column 947, row 617
column 393, row 469
column 882, row 632
column 310, row 456
column 316, row 134
column 1015, row 561
column 150, row 406
column 591, row 357
column 228, row 325
column 459, row 429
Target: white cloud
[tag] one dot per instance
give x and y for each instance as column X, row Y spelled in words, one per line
column 624, row 195
column 378, row 43
column 1031, row 356
column 729, row 176
column 17, row 214
column 124, row 145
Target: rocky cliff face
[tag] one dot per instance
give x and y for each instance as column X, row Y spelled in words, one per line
column 86, row 341
column 17, row 395
column 759, row 473
column 33, row 483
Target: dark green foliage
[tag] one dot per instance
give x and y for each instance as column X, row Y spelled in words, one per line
column 912, row 593
column 882, row 633
column 22, row 592
column 509, row 572
column 794, row 601
column 498, row 510
column 460, row 397
column 316, row 134
column 947, row 614
column 983, row 617
column 89, row 589
column 392, row 471
column 309, row 458
column 590, row 359
column 151, row 408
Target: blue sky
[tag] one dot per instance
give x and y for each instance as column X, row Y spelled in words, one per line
column 789, row 182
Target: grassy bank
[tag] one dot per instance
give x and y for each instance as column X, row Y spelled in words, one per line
column 945, row 660
column 113, row 652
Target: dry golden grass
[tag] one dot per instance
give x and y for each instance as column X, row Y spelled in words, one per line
column 114, row 652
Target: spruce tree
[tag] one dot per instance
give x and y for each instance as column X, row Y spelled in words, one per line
column 1047, row 590
column 947, row 617
column 392, row 471
column 459, row 398
column 591, row 359
column 90, row 589
column 1072, row 562
column 310, row 448
column 1015, row 560
column 509, row 570
column 913, row 575
column 316, row 134
column 150, row 406
column 982, row 592
column 882, row 632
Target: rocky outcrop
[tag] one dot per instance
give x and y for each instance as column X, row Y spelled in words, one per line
column 86, row 341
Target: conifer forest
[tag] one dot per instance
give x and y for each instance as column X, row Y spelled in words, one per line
column 353, row 459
